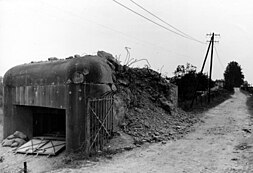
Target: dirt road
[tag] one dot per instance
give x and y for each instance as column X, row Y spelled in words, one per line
column 222, row 144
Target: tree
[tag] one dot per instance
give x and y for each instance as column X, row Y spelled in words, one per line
column 233, row 76
column 183, row 70
column 186, row 79
column 246, row 84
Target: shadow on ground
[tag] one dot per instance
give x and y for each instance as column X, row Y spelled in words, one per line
column 249, row 104
column 200, row 108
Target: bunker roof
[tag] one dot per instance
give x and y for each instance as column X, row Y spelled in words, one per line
column 86, row 69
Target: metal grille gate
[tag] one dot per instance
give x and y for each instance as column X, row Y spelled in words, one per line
column 101, row 122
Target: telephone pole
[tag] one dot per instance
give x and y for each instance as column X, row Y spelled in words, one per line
column 195, row 93
column 211, row 66
column 211, row 44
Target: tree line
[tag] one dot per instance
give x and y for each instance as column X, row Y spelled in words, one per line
column 186, row 78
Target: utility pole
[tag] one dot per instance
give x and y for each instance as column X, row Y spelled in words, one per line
column 211, row 66
column 211, row 44
column 195, row 93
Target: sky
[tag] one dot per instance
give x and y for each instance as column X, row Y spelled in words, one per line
column 37, row 30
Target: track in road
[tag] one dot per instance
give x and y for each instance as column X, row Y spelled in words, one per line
column 211, row 148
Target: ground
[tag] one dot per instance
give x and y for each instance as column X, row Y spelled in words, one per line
column 221, row 143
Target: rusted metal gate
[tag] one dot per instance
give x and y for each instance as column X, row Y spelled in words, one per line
column 100, row 112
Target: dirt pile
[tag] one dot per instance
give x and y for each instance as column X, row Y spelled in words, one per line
column 146, row 107
column 151, row 115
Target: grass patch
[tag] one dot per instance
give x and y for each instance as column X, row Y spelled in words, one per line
column 198, row 107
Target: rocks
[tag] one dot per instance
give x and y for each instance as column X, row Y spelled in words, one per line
column 246, row 130
column 128, row 148
column 20, row 141
column 1, row 159
column 7, row 142
column 20, row 135
column 234, row 159
column 145, row 104
column 123, row 82
column 113, row 63
column 156, row 133
column 157, row 138
column 15, row 144
column 11, row 137
column 242, row 146
column 138, row 141
column 164, row 142
column 166, row 105
column 15, row 140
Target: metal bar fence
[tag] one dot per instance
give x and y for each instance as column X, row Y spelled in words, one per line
column 100, row 111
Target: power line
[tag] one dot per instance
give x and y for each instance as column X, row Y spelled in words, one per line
column 218, row 57
column 190, row 37
column 219, row 60
column 153, row 21
column 139, row 41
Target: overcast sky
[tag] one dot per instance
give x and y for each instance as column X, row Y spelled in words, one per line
column 36, row 30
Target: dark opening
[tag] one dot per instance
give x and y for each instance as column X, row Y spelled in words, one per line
column 49, row 122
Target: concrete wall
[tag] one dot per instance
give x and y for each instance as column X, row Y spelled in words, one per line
column 174, row 94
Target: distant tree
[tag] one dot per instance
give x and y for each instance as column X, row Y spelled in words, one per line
column 246, row 84
column 182, row 70
column 233, row 75
column 186, row 79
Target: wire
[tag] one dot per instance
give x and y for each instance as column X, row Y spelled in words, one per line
column 138, row 41
column 153, row 21
column 190, row 37
column 218, row 57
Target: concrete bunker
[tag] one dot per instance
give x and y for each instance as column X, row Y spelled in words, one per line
column 70, row 98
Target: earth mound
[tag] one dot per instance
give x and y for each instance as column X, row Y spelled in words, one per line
column 146, row 104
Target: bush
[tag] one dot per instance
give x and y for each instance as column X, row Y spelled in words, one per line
column 186, row 79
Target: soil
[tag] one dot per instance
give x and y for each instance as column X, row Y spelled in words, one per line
column 222, row 143
column 146, row 106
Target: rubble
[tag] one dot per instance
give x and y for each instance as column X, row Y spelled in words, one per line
column 15, row 140
column 246, row 130
column 150, row 115
column 146, row 104
column 20, row 135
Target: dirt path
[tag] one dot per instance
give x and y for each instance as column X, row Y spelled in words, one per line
column 222, row 144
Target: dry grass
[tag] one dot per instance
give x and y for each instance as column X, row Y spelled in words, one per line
column 198, row 108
